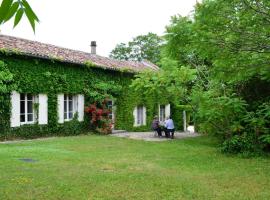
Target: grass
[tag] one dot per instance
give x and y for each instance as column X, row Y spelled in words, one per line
column 104, row 167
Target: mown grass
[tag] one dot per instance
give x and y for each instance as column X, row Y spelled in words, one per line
column 105, row 167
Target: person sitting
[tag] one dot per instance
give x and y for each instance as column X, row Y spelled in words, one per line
column 169, row 125
column 167, row 134
column 156, row 127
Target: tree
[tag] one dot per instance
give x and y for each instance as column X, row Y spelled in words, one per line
column 142, row 47
column 122, row 52
column 179, row 35
column 227, row 43
column 172, row 85
column 235, row 36
column 17, row 8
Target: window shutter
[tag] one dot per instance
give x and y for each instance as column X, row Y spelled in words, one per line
column 60, row 109
column 75, row 103
column 80, row 107
column 135, row 116
column 43, row 109
column 144, row 116
column 167, row 110
column 15, row 109
column 159, row 112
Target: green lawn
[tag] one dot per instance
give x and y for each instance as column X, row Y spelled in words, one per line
column 104, row 167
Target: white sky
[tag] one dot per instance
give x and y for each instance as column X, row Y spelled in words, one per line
column 75, row 23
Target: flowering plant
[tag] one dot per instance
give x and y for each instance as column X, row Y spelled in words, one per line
column 99, row 115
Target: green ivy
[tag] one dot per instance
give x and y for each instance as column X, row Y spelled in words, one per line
column 35, row 76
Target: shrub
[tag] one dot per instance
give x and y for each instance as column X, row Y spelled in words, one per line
column 240, row 144
column 99, row 115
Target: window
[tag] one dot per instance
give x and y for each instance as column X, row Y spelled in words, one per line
column 162, row 113
column 68, row 107
column 26, row 108
column 139, row 114
column 110, row 107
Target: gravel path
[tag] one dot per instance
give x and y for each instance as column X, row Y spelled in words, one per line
column 149, row 136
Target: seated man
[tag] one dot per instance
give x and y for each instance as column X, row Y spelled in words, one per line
column 164, row 128
column 156, row 127
column 170, row 127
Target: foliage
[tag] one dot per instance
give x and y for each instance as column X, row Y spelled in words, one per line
column 37, row 76
column 99, row 115
column 6, row 79
column 232, row 36
column 166, row 84
column 171, row 84
column 102, row 90
column 142, row 47
column 89, row 63
column 236, row 39
column 7, row 84
column 121, row 51
column 218, row 114
column 243, row 144
column 17, row 8
column 178, row 37
column 224, row 48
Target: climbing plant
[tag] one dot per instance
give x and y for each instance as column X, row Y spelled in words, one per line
column 53, row 77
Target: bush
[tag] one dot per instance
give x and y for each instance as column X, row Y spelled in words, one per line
column 99, row 115
column 240, row 128
column 240, row 144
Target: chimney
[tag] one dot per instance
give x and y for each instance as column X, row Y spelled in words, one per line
column 93, row 47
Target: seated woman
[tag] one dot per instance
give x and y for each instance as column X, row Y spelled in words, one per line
column 156, row 127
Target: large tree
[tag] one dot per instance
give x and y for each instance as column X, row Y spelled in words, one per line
column 227, row 42
column 142, row 47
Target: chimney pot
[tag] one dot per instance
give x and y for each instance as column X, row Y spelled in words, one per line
column 93, row 47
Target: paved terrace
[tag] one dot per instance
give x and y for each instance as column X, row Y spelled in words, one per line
column 150, row 136
column 147, row 136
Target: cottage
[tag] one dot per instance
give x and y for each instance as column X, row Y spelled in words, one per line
column 52, row 86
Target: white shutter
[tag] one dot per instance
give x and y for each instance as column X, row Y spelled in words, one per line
column 75, row 103
column 159, row 112
column 43, row 109
column 60, row 108
column 144, row 115
column 80, row 107
column 167, row 110
column 135, row 116
column 15, row 109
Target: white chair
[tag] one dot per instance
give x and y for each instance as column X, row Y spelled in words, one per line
column 191, row 129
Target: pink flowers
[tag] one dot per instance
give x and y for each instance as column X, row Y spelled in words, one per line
column 99, row 114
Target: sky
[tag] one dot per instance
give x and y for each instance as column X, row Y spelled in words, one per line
column 74, row 24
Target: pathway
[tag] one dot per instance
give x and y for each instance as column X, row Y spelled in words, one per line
column 149, row 136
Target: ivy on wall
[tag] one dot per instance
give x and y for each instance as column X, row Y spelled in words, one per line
column 35, row 76
column 6, row 85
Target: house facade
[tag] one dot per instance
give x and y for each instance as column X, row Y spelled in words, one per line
column 50, row 86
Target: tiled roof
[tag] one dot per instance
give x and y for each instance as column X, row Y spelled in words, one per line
column 47, row 51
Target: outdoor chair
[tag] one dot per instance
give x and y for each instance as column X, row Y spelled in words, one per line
column 155, row 133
